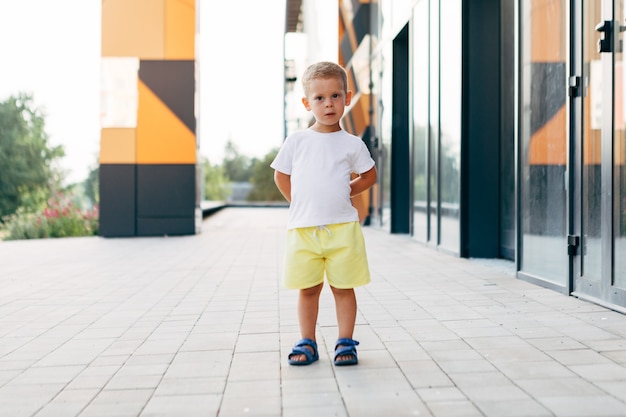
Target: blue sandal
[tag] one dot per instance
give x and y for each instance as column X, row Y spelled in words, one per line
column 348, row 348
column 301, row 349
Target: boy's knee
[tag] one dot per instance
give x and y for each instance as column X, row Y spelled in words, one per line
column 312, row 291
column 342, row 291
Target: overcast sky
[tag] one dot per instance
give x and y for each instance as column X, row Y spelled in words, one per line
column 51, row 49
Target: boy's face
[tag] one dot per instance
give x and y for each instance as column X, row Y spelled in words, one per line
column 327, row 100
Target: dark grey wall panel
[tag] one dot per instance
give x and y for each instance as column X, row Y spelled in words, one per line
column 165, row 227
column 117, row 200
column 166, row 191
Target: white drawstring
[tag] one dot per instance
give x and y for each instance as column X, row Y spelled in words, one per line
column 321, row 228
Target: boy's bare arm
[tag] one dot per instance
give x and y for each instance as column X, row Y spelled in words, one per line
column 363, row 182
column 283, row 182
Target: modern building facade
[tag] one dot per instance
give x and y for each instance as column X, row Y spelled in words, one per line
column 499, row 132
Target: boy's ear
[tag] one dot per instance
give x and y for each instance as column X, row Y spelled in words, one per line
column 305, row 101
column 348, row 97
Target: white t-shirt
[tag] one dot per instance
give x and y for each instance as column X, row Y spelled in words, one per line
column 320, row 165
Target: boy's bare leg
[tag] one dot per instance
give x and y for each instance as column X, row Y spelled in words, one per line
column 308, row 308
column 345, row 303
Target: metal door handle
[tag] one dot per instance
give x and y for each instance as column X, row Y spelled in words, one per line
column 605, row 43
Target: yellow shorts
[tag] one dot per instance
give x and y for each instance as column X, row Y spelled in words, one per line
column 337, row 250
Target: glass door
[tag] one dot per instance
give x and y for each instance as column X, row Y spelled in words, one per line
column 619, row 163
column 597, row 246
column 613, row 152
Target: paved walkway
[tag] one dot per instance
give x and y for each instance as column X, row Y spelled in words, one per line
column 199, row 326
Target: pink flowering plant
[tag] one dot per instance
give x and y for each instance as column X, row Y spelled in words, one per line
column 61, row 217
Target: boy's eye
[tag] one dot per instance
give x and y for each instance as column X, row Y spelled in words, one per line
column 333, row 96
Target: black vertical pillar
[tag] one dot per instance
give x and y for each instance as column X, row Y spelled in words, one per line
column 400, row 187
column 480, row 144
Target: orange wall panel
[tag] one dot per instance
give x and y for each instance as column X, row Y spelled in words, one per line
column 117, row 146
column 161, row 136
column 133, row 28
column 180, row 29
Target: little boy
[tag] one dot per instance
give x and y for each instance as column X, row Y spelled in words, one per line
column 313, row 172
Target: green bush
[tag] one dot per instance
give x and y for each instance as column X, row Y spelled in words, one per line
column 60, row 218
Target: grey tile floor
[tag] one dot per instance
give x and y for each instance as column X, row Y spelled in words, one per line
column 200, row 326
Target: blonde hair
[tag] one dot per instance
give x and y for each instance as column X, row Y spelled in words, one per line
column 325, row 70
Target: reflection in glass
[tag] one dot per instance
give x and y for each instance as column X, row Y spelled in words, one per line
column 543, row 140
column 420, row 120
column 591, row 141
column 377, row 148
column 386, row 113
column 433, row 123
column 450, row 119
column 619, row 152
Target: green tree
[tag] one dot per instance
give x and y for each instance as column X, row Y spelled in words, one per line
column 26, row 156
column 237, row 167
column 216, row 185
column 263, row 186
column 91, row 186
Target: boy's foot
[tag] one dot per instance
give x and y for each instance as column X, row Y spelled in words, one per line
column 304, row 353
column 293, row 357
column 345, row 352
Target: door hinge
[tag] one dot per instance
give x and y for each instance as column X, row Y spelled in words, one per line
column 573, row 242
column 574, row 86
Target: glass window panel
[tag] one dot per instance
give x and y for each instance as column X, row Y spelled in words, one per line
column 377, row 150
column 386, row 113
column 450, row 122
column 543, row 140
column 420, row 120
column 433, row 122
